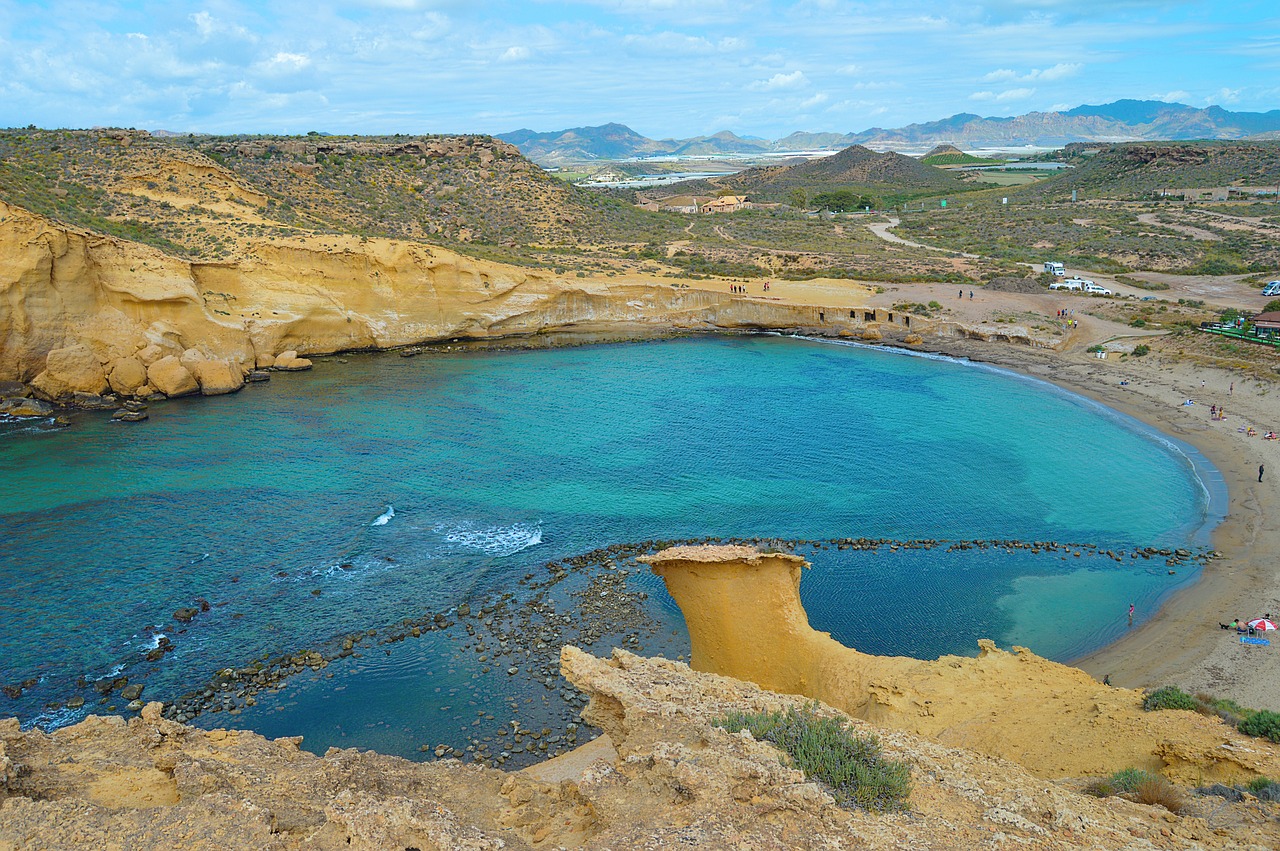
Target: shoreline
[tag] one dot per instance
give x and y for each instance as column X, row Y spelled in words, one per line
column 1181, row 643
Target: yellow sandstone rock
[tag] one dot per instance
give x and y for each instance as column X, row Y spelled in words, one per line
column 746, row 621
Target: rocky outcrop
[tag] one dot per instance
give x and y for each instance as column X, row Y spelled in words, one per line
column 217, row 377
column 664, row 776
column 746, row 621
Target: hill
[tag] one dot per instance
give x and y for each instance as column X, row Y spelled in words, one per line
column 886, row 175
column 1113, row 122
column 1140, row 170
column 207, row 197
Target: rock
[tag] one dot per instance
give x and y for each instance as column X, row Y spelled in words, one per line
column 13, row 390
column 92, row 401
column 171, row 378
column 191, row 358
column 75, row 702
column 267, row 361
column 131, row 692
column 913, row 339
column 135, row 705
column 218, row 377
column 70, row 370
column 127, row 375
column 185, row 614
column 149, row 355
column 126, row 416
column 20, row 407
column 257, row 375
column 133, row 405
column 290, row 362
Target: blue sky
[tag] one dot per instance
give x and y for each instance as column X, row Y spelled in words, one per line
column 667, row 68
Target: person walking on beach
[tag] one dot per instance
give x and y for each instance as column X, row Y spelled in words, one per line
column 1261, row 468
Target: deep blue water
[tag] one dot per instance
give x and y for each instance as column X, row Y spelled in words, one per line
column 497, row 463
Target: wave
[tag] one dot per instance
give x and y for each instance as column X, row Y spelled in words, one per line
column 53, row 719
column 153, row 644
column 494, row 540
column 385, row 517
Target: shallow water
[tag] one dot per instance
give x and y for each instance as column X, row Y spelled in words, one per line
column 483, row 466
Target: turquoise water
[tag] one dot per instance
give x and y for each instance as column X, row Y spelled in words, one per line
column 264, row 504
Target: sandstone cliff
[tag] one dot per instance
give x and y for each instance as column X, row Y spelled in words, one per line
column 68, row 297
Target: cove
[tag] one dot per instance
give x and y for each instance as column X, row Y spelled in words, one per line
column 496, row 463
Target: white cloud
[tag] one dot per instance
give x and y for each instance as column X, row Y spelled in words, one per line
column 1223, row 95
column 817, row 100
column 287, row 62
column 1056, row 72
column 515, row 53
column 778, row 81
column 1003, row 97
column 1175, row 96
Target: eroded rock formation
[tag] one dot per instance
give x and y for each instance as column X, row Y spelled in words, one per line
column 746, row 621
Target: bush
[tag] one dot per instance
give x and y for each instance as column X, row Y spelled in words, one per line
column 1141, row 349
column 1264, row 724
column 1129, row 779
column 1160, row 792
column 1100, row 787
column 1169, row 697
column 851, row 766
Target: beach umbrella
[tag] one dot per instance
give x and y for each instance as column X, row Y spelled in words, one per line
column 1261, row 624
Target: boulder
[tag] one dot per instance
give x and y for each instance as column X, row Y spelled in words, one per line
column 266, row 361
column 124, row 416
column 171, row 378
column 19, row 407
column 70, row 370
column 127, row 375
column 290, row 362
column 150, row 354
column 217, row 377
column 190, row 358
column 13, row 390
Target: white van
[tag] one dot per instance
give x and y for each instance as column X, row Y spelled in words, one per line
column 1272, row 288
column 1068, row 284
column 1055, row 268
column 1096, row 289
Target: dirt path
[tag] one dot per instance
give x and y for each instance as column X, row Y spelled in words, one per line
column 1153, row 219
column 881, row 229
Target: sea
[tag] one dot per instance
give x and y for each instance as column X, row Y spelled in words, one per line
column 376, row 488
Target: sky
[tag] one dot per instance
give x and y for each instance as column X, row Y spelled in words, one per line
column 666, row 68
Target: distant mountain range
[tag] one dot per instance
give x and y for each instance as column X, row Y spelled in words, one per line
column 1124, row 120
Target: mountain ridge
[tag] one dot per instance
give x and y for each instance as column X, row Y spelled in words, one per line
column 1122, row 120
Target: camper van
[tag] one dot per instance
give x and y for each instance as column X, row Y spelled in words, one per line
column 1055, row 268
column 1272, row 288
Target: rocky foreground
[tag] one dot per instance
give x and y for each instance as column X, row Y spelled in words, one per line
column 671, row 779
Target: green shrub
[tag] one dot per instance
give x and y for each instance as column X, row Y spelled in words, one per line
column 1128, row 779
column 1139, row 322
column 1169, row 697
column 1264, row 788
column 1095, row 348
column 852, row 766
column 1264, row 724
column 1141, row 349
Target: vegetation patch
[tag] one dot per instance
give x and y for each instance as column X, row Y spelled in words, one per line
column 852, row 767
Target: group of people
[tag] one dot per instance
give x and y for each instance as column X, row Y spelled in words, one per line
column 741, row 289
column 1242, row 627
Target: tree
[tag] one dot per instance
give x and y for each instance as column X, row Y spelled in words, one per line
column 841, row 200
column 799, row 198
column 1272, row 306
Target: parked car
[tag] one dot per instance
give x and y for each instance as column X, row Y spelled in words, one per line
column 1272, row 288
column 1096, row 289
